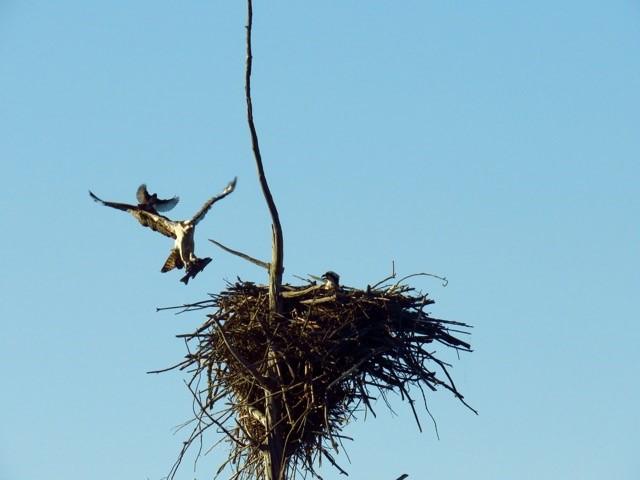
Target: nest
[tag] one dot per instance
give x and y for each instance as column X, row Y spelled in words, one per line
column 330, row 354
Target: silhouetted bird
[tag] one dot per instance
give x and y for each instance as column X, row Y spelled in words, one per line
column 151, row 202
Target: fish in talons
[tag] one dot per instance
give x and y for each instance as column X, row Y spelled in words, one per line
column 182, row 254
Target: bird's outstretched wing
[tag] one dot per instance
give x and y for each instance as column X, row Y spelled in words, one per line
column 209, row 203
column 154, row 203
column 164, row 205
column 125, row 207
column 156, row 222
column 142, row 194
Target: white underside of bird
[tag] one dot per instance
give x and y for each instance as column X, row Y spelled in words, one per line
column 182, row 231
column 183, row 251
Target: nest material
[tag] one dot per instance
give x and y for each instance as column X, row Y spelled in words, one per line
column 335, row 351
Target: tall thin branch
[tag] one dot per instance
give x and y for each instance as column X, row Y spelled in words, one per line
column 274, row 459
column 275, row 271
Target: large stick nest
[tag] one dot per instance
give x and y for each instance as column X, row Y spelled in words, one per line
column 335, row 351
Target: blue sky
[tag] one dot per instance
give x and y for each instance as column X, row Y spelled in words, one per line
column 495, row 143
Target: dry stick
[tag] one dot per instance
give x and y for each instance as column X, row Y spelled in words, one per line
column 177, row 365
column 260, row 380
column 316, row 301
column 426, row 407
column 329, row 457
column 393, row 275
column 193, row 306
column 274, row 460
column 411, row 402
column 301, row 293
column 249, row 258
column 356, row 366
column 445, row 282
column 275, row 272
column 202, row 411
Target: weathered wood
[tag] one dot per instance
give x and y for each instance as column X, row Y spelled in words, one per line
column 302, row 377
column 249, row 258
column 274, row 460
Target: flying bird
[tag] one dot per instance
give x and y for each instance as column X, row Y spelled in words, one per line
column 182, row 254
column 151, row 202
column 147, row 202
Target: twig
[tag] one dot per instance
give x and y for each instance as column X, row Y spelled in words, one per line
column 249, row 258
column 260, row 380
column 445, row 282
column 301, row 293
column 177, row 365
column 316, row 301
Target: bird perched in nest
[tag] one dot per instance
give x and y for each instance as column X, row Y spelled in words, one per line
column 182, row 254
column 331, row 280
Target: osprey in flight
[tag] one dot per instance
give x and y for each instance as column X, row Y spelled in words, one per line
column 182, row 254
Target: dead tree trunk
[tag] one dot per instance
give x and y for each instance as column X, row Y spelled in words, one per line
column 274, row 458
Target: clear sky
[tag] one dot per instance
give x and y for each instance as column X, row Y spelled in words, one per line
column 495, row 143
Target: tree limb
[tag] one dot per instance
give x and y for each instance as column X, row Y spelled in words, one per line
column 249, row 258
column 276, row 265
column 274, row 459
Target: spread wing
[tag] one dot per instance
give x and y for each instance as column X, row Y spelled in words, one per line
column 155, row 222
column 125, row 207
column 157, row 204
column 209, row 203
column 142, row 194
column 166, row 205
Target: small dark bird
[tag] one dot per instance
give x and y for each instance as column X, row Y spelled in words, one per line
column 182, row 254
column 148, row 203
column 151, row 203
column 332, row 280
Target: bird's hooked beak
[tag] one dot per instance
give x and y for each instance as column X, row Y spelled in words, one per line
column 332, row 279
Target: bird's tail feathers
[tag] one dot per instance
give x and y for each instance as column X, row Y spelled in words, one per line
column 173, row 261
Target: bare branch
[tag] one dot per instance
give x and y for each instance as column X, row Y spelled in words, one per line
column 274, row 459
column 249, row 258
column 275, row 272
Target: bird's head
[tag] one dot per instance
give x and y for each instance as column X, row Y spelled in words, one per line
column 332, row 279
